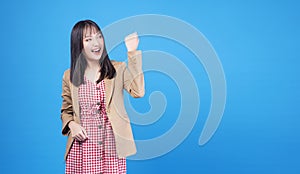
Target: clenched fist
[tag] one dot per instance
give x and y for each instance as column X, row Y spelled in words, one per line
column 132, row 42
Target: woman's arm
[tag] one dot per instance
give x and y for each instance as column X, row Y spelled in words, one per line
column 66, row 108
column 133, row 74
column 68, row 123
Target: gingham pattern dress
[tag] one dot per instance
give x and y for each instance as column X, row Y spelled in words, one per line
column 97, row 154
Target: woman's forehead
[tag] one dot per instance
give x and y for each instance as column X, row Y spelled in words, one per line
column 90, row 30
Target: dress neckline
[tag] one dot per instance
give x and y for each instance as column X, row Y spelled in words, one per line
column 94, row 83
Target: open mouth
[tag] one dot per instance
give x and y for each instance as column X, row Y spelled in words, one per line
column 96, row 50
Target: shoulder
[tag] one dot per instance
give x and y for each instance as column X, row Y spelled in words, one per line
column 66, row 75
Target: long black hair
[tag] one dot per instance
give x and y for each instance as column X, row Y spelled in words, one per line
column 78, row 61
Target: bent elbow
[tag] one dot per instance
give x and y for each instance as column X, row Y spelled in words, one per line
column 137, row 94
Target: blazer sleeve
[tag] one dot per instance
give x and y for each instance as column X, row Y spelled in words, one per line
column 66, row 108
column 133, row 75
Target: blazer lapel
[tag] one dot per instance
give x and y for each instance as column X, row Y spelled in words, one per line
column 75, row 102
column 109, row 88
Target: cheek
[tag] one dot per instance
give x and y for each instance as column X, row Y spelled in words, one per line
column 86, row 46
column 85, row 51
column 101, row 41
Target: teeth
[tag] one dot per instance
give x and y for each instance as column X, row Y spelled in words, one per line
column 96, row 50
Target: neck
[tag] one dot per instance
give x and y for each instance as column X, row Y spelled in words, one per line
column 92, row 71
column 93, row 65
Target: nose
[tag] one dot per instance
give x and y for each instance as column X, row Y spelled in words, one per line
column 95, row 42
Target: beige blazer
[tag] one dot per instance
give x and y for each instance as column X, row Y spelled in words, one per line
column 130, row 78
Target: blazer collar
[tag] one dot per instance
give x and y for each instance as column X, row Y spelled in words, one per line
column 109, row 89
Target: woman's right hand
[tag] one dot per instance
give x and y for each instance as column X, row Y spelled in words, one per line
column 77, row 131
column 132, row 41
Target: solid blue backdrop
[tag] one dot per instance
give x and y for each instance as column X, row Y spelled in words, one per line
column 257, row 43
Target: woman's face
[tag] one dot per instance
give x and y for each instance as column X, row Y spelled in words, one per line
column 93, row 44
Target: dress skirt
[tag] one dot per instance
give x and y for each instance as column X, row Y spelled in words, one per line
column 97, row 154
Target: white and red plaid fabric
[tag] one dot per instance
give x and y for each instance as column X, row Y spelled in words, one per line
column 97, row 154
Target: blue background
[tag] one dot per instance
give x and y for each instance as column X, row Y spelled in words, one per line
column 257, row 43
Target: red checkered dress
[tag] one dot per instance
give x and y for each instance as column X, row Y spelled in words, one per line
column 97, row 154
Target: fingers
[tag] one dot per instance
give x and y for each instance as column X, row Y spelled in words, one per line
column 131, row 36
column 81, row 135
column 85, row 133
column 132, row 41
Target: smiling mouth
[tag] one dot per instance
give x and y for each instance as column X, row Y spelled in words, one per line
column 96, row 50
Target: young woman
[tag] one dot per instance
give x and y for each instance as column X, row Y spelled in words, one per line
column 93, row 113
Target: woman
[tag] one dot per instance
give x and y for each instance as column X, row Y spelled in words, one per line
column 93, row 113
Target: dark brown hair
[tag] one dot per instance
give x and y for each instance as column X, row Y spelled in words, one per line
column 78, row 61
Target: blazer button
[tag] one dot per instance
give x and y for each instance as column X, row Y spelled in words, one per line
column 98, row 103
column 100, row 142
column 108, row 110
column 100, row 126
column 97, row 88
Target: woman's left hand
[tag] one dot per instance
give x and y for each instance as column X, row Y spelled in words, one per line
column 132, row 41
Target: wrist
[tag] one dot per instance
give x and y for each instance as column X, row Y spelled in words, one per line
column 130, row 51
column 134, row 53
column 71, row 123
